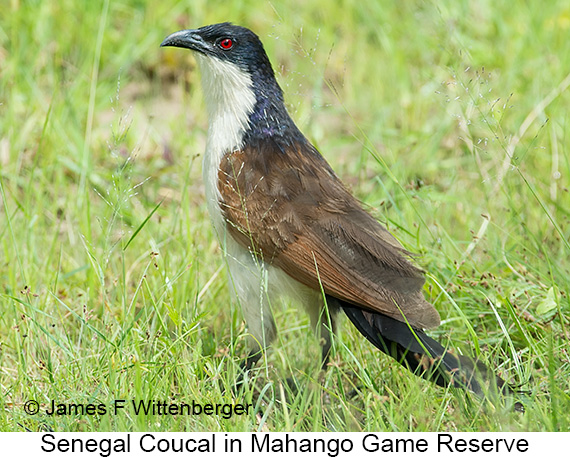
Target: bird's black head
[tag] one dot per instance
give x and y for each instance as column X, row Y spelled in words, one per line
column 235, row 70
column 226, row 42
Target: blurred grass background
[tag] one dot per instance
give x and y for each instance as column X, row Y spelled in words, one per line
column 449, row 120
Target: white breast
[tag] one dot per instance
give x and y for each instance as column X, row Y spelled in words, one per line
column 230, row 100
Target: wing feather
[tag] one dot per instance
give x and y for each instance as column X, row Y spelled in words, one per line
column 292, row 210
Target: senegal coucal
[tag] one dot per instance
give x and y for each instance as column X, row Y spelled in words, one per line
column 290, row 228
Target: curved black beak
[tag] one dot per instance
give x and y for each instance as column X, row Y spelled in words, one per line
column 189, row 39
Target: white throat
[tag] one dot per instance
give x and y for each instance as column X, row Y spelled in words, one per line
column 229, row 100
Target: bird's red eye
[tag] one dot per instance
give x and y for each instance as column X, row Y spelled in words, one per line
column 226, row 43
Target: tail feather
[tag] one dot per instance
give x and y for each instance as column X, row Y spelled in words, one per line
column 423, row 355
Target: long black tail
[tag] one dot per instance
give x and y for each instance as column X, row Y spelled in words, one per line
column 423, row 355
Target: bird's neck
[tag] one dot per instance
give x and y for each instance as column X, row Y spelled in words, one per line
column 269, row 117
column 241, row 108
column 230, row 100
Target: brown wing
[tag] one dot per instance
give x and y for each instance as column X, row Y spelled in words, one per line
column 293, row 211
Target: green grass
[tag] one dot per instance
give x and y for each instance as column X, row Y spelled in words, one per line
column 447, row 119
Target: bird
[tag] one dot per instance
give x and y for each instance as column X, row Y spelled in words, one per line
column 289, row 227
